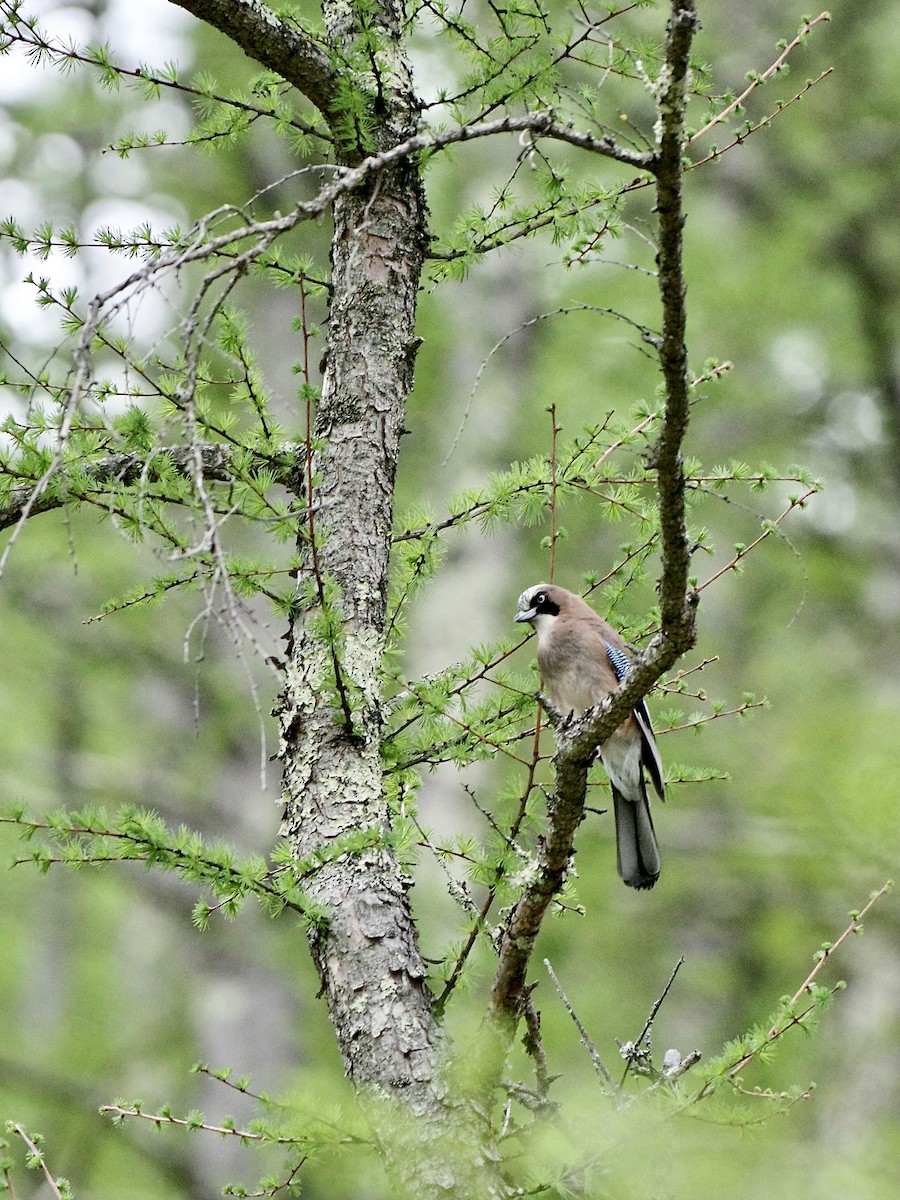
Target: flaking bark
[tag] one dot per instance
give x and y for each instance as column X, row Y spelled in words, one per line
column 366, row 949
column 366, row 953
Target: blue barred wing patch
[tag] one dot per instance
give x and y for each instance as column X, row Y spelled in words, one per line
column 618, row 660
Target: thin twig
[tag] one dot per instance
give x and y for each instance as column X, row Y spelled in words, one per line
column 827, row 952
column 766, row 75
column 37, row 1155
column 165, row 1118
column 823, row 956
column 732, row 564
column 648, row 1024
column 586, row 1040
column 534, row 1047
column 741, row 137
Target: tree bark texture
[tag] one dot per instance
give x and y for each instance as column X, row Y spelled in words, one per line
column 365, row 949
column 366, row 952
column 364, row 944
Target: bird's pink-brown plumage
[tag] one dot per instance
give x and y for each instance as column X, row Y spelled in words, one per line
column 582, row 659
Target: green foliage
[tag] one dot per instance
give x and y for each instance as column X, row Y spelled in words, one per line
column 181, row 442
column 90, row 838
column 35, row 1160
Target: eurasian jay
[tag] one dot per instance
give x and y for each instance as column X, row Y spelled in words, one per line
column 582, row 659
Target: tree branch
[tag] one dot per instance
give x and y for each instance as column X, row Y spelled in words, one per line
column 36, row 1159
column 807, row 26
column 125, row 469
column 677, row 616
column 578, row 738
column 199, row 246
column 277, row 45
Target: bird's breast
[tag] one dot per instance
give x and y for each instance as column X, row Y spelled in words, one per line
column 575, row 678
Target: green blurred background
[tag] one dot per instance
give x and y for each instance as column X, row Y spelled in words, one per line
column 793, row 261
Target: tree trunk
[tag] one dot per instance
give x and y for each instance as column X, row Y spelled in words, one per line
column 366, row 947
column 366, row 952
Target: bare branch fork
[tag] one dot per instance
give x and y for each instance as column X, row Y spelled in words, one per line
column 264, row 233
column 202, row 247
column 577, row 740
column 737, row 104
column 349, row 178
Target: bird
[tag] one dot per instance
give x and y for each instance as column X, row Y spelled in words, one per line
column 582, row 659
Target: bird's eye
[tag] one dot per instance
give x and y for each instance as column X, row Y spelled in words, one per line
column 540, row 598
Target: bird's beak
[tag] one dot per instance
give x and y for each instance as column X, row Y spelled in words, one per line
column 526, row 614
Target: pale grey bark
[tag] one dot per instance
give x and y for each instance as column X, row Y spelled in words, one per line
column 278, row 45
column 366, row 950
column 372, row 974
column 366, row 947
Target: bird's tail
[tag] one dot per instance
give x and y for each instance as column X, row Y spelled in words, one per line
column 636, row 847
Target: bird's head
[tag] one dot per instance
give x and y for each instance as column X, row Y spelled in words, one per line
column 540, row 605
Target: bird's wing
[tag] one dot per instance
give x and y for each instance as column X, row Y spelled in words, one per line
column 621, row 664
column 618, row 660
column 649, row 752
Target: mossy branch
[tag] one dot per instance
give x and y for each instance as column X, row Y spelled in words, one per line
column 278, row 45
column 577, row 740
